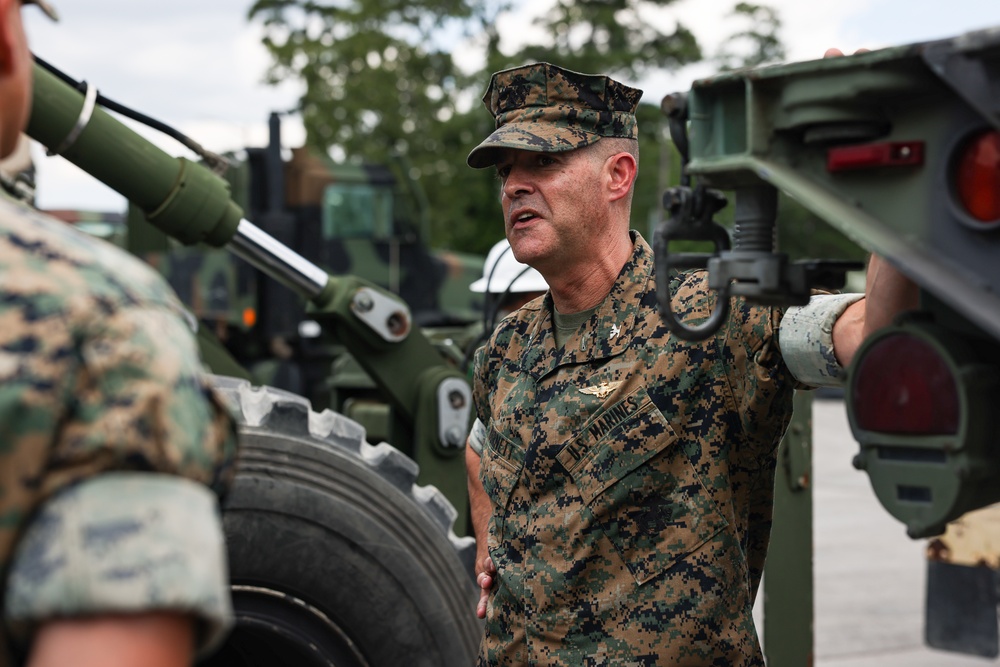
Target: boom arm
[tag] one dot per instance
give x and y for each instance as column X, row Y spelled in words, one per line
column 193, row 205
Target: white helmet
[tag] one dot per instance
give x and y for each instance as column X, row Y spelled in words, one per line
column 496, row 281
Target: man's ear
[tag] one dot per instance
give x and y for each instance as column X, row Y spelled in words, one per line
column 622, row 169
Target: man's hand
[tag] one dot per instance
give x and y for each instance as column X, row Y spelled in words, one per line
column 484, row 577
column 480, row 509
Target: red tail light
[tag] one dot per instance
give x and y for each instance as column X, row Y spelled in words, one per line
column 977, row 176
column 868, row 156
column 904, row 386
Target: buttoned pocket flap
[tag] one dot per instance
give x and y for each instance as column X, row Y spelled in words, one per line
column 641, row 487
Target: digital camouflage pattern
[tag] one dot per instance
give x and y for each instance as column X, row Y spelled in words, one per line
column 545, row 108
column 88, row 550
column 806, row 339
column 631, row 476
column 98, row 372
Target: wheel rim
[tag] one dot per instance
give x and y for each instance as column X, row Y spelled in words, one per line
column 274, row 628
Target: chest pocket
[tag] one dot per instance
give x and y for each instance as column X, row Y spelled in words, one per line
column 640, row 487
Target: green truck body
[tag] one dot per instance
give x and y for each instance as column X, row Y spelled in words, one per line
column 900, row 150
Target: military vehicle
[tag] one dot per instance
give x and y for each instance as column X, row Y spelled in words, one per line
column 900, row 150
column 358, row 219
column 337, row 554
column 365, row 220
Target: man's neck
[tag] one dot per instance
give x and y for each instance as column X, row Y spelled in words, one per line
column 584, row 286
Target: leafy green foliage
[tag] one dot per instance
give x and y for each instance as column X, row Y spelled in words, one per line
column 617, row 37
column 758, row 43
column 383, row 79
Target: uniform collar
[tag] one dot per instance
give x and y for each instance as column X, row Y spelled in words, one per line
column 609, row 330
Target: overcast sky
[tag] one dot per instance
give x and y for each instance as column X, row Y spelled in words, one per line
column 199, row 65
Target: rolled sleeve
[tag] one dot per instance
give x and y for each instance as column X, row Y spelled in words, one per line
column 805, row 337
column 123, row 543
column 477, row 437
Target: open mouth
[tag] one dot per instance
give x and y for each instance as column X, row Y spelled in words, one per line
column 524, row 216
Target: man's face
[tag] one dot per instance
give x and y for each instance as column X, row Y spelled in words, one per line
column 554, row 211
column 15, row 79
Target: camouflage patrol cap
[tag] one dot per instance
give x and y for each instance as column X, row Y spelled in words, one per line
column 548, row 109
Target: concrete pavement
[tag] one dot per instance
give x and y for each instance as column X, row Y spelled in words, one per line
column 869, row 577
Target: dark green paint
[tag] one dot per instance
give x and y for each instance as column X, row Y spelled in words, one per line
column 788, row 572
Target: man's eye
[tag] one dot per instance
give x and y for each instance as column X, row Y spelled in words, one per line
column 503, row 172
column 546, row 160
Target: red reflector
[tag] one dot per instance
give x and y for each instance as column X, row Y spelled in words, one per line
column 977, row 177
column 903, row 386
column 887, row 154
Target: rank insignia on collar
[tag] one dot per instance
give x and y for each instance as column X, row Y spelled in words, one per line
column 602, row 390
column 615, row 330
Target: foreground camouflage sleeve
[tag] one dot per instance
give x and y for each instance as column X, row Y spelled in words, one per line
column 480, row 390
column 89, row 551
column 477, row 436
column 99, row 372
column 806, row 339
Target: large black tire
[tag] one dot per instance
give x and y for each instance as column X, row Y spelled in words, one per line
column 336, row 557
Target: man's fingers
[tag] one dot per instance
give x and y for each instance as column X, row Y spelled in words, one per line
column 485, row 582
column 484, row 597
column 833, row 53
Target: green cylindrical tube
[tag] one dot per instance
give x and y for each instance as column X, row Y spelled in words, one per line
column 182, row 198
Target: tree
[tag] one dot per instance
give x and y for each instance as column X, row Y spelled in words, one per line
column 618, row 37
column 758, row 43
column 379, row 75
column 382, row 78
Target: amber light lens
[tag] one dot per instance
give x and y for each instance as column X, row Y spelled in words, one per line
column 977, row 177
column 903, row 386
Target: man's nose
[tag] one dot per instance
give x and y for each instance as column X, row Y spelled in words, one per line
column 518, row 182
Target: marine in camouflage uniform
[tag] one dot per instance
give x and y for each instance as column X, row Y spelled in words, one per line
column 630, row 473
column 113, row 448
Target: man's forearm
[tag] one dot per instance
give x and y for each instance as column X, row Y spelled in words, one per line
column 158, row 639
column 887, row 294
column 479, row 505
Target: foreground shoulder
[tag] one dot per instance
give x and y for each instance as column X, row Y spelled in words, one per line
column 86, row 552
column 42, row 255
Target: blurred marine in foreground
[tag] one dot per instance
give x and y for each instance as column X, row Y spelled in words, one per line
column 113, row 451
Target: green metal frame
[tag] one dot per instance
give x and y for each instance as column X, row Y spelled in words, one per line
column 788, row 573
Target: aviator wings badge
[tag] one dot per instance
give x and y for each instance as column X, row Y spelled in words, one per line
column 602, row 390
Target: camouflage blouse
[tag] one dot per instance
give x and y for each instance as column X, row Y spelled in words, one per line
column 631, row 478
column 98, row 373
